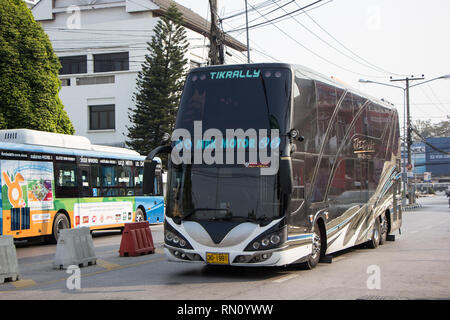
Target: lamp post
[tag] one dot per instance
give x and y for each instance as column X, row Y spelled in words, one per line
column 404, row 127
column 406, row 105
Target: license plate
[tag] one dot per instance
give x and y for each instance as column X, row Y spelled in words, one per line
column 217, row 258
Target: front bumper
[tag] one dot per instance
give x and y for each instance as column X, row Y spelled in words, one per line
column 276, row 257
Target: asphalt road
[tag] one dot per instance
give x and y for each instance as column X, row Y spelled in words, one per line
column 415, row 266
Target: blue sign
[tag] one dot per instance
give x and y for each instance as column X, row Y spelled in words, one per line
column 438, row 163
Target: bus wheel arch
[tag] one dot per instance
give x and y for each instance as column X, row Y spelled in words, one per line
column 318, row 244
column 61, row 221
column 323, row 236
column 375, row 236
column 140, row 214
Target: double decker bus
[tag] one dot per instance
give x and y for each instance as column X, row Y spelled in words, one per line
column 54, row 181
column 320, row 174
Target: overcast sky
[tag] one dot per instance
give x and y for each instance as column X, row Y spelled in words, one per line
column 386, row 38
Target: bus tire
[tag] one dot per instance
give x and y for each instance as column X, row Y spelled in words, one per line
column 313, row 260
column 383, row 229
column 61, row 222
column 139, row 216
column 376, row 232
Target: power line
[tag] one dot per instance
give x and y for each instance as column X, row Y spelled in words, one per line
column 311, row 51
column 266, row 13
column 429, row 99
column 261, row 5
column 274, row 19
column 333, row 47
column 427, row 143
column 345, row 47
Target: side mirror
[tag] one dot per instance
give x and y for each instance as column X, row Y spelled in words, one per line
column 149, row 176
column 150, row 168
column 165, row 139
column 286, row 175
column 295, row 134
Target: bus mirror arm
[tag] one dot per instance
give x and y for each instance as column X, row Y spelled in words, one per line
column 294, row 134
column 150, row 168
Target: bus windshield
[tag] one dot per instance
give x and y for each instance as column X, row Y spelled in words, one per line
column 210, row 193
column 229, row 99
column 236, row 99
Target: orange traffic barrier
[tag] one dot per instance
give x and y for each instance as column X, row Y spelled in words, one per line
column 136, row 240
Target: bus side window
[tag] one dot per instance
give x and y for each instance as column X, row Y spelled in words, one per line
column 138, row 174
column 125, row 181
column 66, row 180
column 95, row 180
column 158, row 184
column 109, row 181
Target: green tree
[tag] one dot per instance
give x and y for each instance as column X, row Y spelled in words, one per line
column 427, row 129
column 159, row 84
column 29, row 83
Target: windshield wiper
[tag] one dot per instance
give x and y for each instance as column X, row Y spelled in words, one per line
column 179, row 219
column 261, row 220
column 265, row 97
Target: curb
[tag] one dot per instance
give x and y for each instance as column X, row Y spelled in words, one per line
column 411, row 207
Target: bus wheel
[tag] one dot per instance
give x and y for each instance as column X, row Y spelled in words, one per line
column 316, row 249
column 383, row 229
column 140, row 216
column 376, row 233
column 60, row 222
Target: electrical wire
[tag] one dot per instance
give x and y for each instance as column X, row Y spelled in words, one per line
column 367, row 65
column 274, row 19
column 345, row 47
column 314, row 53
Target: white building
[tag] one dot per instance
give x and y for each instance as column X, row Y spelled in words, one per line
column 101, row 45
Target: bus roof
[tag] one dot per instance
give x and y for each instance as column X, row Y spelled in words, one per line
column 55, row 143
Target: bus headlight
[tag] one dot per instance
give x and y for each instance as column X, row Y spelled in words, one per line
column 275, row 239
column 270, row 239
column 174, row 238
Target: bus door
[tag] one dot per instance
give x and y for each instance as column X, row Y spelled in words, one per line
column 297, row 212
column 85, row 185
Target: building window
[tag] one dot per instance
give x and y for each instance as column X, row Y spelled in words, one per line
column 65, row 82
column 102, row 117
column 111, row 62
column 95, row 80
column 73, row 64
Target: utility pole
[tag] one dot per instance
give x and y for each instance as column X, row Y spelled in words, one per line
column 411, row 193
column 216, row 55
column 246, row 27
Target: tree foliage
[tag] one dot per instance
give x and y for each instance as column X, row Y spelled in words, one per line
column 427, row 129
column 29, row 68
column 159, row 84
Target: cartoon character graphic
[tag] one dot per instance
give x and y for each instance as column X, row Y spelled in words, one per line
column 15, row 194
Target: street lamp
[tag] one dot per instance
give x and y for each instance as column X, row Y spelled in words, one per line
column 406, row 102
column 445, row 77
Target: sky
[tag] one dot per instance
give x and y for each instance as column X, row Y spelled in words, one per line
column 352, row 40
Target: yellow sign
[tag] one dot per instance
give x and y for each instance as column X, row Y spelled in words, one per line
column 217, row 258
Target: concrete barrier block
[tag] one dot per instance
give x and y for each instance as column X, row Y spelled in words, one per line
column 75, row 247
column 9, row 267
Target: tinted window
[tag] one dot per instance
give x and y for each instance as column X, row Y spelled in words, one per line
column 66, row 180
column 73, row 64
column 111, row 62
column 259, row 101
column 102, row 117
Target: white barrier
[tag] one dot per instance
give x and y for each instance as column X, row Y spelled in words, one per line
column 75, row 247
column 9, row 267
